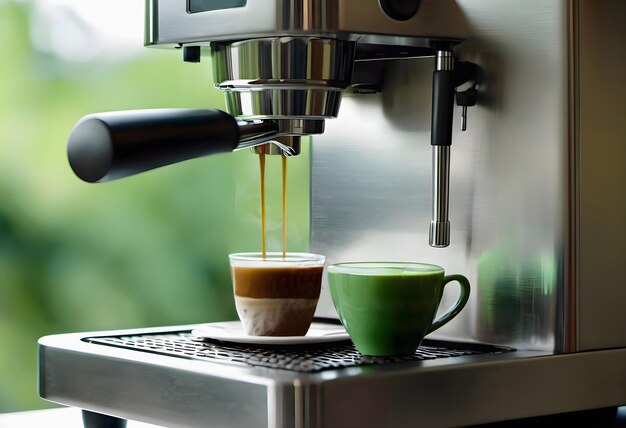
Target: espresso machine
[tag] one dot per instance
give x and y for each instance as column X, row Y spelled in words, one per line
column 529, row 205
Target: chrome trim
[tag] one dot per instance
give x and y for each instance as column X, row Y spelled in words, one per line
column 439, row 233
column 151, row 22
column 288, row 146
column 281, row 103
column 300, row 127
column 309, row 15
column 275, row 60
column 255, row 132
column 569, row 305
column 283, row 77
column 282, row 136
column 444, row 60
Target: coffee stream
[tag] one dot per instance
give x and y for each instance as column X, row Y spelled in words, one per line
column 284, row 200
column 262, row 164
column 284, row 236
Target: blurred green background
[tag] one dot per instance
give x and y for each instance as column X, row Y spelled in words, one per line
column 142, row 251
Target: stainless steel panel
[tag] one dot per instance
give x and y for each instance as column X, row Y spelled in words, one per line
column 371, row 176
column 602, row 173
column 434, row 18
column 477, row 393
column 168, row 23
column 114, row 382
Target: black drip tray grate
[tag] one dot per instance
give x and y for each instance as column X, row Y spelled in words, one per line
column 296, row 358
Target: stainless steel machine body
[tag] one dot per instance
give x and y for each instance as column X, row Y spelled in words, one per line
column 537, row 201
column 537, row 209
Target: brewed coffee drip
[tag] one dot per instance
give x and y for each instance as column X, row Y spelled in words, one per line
column 284, row 236
column 262, row 165
column 284, row 203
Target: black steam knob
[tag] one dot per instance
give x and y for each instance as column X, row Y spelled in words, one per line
column 106, row 146
column 400, row 10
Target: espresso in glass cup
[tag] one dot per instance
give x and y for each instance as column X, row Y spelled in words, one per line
column 276, row 295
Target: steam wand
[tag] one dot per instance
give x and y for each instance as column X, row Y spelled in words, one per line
column 446, row 78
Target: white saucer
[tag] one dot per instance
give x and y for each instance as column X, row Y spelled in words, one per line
column 232, row 331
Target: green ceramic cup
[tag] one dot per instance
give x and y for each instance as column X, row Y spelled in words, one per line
column 388, row 308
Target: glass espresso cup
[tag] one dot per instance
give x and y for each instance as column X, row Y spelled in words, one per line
column 276, row 296
column 388, row 308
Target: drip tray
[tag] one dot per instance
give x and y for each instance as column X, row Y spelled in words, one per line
column 166, row 376
column 300, row 358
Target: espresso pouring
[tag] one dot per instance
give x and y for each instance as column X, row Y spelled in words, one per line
column 262, row 164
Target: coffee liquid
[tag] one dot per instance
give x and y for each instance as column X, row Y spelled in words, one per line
column 302, row 282
column 276, row 301
column 284, row 159
column 262, row 165
column 284, row 201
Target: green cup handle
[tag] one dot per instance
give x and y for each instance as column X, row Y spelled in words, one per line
column 457, row 307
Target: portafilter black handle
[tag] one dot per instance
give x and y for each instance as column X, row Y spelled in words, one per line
column 106, row 146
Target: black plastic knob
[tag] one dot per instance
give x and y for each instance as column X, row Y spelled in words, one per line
column 400, row 10
column 467, row 98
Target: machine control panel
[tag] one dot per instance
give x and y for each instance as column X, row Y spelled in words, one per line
column 194, row 6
